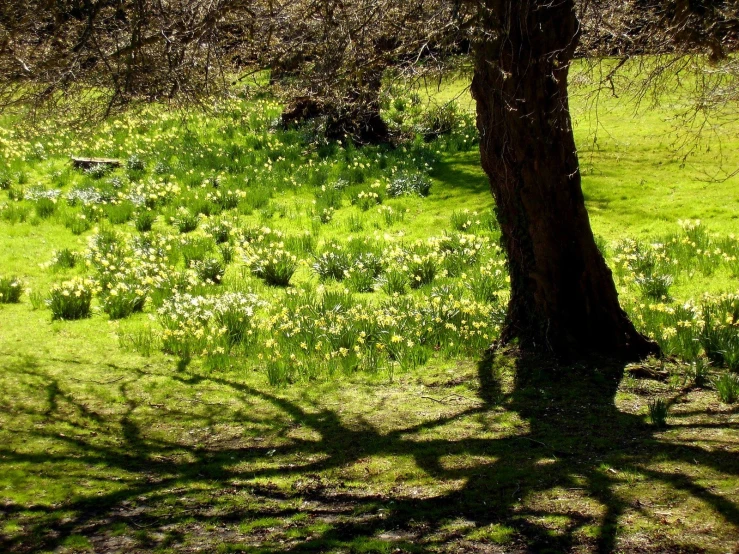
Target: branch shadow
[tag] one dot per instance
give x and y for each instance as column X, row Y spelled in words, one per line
column 564, row 463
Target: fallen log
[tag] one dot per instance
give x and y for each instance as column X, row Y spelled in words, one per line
column 87, row 163
column 646, row 371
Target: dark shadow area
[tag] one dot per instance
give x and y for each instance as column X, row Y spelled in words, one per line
column 564, row 467
column 462, row 170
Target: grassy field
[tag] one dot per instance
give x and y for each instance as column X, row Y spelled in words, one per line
column 246, row 339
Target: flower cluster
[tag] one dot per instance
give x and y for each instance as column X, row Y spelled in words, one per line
column 71, row 299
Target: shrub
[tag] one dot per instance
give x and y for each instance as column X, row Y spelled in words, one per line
column 71, row 299
column 399, row 103
column 440, row 120
column 11, row 289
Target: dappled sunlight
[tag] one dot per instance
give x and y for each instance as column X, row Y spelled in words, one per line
column 571, row 470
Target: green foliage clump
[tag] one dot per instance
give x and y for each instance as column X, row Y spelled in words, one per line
column 658, row 410
column 64, row 259
column 274, row 265
column 144, row 220
column 408, row 185
column 11, row 289
column 727, row 386
column 185, row 220
column 71, row 299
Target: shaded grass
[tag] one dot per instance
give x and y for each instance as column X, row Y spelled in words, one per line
column 516, row 453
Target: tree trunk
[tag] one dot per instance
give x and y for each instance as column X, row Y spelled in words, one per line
column 563, row 298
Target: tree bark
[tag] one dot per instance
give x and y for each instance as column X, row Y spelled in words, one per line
column 563, row 298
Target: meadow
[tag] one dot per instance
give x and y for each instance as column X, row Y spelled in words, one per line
column 246, row 338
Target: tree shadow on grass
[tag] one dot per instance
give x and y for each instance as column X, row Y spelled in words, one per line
column 462, row 171
column 557, row 485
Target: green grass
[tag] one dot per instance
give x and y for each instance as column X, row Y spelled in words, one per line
column 214, row 428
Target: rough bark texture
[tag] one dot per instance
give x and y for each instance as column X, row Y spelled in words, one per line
column 563, row 298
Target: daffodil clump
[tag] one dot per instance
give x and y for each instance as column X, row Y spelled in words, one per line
column 655, row 267
column 71, row 299
column 195, row 325
column 367, row 199
column 11, row 289
column 153, row 193
column 272, row 263
column 708, row 328
column 332, row 331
